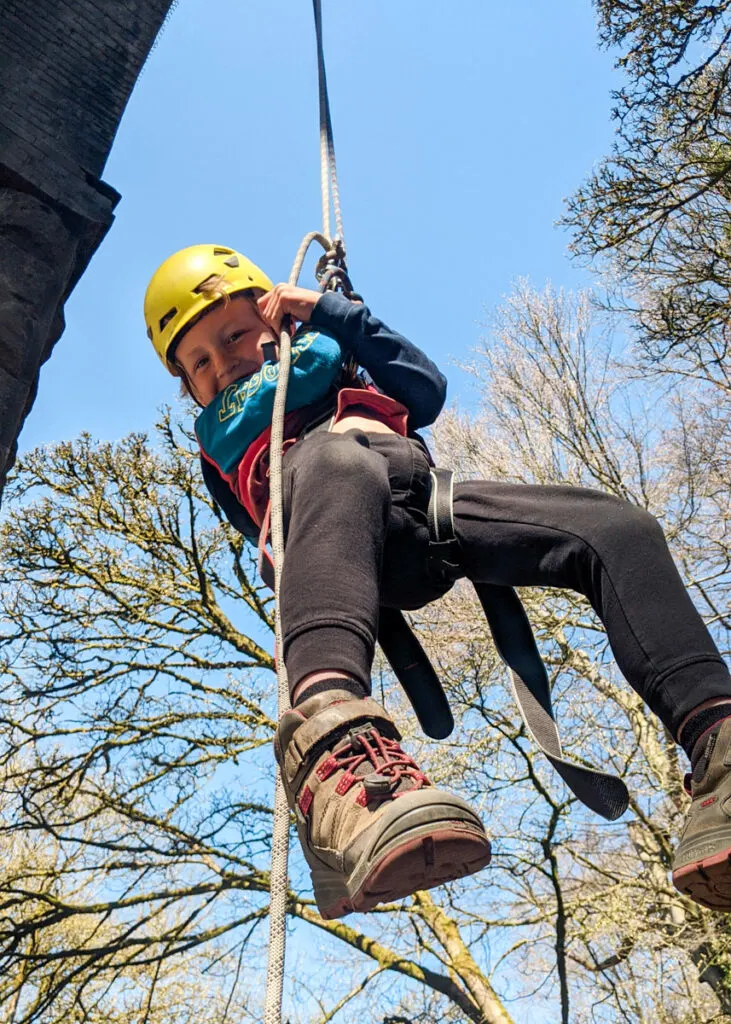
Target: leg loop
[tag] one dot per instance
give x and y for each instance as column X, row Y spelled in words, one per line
column 444, row 552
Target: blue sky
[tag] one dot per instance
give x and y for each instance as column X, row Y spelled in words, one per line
column 459, row 131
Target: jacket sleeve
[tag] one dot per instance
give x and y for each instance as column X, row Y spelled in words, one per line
column 227, row 500
column 397, row 367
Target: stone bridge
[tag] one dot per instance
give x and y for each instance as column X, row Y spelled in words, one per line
column 67, row 68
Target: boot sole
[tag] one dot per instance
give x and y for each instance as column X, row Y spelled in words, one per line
column 408, row 854
column 707, row 881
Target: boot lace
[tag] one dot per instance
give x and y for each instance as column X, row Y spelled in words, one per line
column 366, row 756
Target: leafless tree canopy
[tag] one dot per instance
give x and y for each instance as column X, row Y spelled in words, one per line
column 137, row 713
column 136, row 667
column 657, row 209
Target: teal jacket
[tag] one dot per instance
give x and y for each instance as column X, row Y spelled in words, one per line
column 343, row 329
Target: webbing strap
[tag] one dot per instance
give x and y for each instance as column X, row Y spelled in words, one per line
column 415, row 673
column 328, row 166
column 444, row 560
column 511, row 631
column 603, row 793
column 441, row 506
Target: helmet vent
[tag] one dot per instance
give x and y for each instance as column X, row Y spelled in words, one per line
column 149, row 333
column 232, row 261
column 217, row 251
column 165, row 320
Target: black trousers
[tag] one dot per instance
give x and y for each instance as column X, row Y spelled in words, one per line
column 357, row 538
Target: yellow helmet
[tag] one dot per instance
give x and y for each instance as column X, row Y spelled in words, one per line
column 174, row 299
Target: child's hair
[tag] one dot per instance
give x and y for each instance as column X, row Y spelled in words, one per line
column 213, row 288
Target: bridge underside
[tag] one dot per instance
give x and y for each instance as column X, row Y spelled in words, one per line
column 67, row 68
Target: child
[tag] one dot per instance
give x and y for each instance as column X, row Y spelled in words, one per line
column 356, row 488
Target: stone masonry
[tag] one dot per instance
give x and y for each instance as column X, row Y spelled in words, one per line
column 67, row 68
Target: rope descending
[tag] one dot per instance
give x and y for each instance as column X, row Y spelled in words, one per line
column 331, row 273
column 328, row 166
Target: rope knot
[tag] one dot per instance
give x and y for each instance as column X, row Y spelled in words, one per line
column 332, row 271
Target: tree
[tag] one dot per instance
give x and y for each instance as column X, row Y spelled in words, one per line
column 657, row 209
column 137, row 720
column 137, row 717
column 560, row 404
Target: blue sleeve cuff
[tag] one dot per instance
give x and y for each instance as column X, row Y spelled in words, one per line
column 341, row 317
column 395, row 365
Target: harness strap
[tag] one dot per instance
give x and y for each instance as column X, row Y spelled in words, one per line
column 415, row 673
column 440, row 513
column 265, row 562
column 511, row 631
column 444, row 555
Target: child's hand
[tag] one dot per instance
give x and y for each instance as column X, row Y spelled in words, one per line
column 286, row 299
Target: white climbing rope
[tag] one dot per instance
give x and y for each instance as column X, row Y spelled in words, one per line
column 334, row 255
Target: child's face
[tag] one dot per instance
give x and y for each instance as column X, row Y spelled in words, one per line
column 223, row 347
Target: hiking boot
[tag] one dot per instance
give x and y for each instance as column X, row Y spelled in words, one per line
column 702, row 864
column 372, row 827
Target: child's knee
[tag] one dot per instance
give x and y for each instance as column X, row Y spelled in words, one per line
column 345, row 459
column 630, row 525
